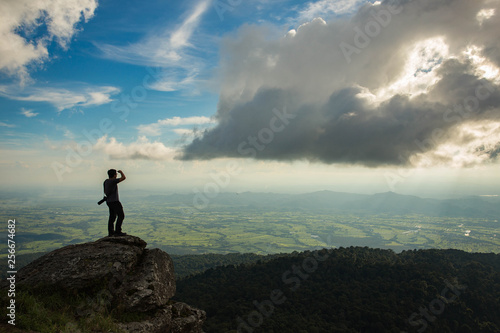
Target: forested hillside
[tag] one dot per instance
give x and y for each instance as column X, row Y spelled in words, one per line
column 352, row 290
column 186, row 264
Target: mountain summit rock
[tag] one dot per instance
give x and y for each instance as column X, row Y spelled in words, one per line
column 116, row 274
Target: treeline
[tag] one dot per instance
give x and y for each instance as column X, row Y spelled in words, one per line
column 351, row 290
column 186, row 265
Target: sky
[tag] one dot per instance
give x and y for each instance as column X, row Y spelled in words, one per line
column 210, row 96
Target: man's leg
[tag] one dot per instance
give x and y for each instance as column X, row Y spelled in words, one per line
column 112, row 217
column 121, row 216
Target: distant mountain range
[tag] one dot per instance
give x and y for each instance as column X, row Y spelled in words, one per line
column 319, row 202
column 328, row 201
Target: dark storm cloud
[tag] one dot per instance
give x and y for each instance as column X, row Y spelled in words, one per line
column 318, row 93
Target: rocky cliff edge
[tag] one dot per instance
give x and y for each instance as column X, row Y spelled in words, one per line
column 116, row 274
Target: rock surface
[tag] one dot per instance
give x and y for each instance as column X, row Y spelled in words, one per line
column 117, row 273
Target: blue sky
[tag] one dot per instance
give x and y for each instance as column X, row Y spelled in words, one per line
column 111, row 53
column 129, row 85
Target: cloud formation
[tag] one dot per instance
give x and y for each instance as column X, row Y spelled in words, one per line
column 141, row 149
column 167, row 49
column 398, row 83
column 61, row 98
column 324, row 8
column 21, row 43
column 28, row 113
column 2, row 124
column 155, row 128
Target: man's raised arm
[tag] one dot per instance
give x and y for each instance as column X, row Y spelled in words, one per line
column 122, row 176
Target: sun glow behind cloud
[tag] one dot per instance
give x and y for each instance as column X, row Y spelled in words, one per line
column 419, row 72
column 473, row 145
column 475, row 142
column 484, row 67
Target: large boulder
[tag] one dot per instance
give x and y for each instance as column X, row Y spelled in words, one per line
column 84, row 266
column 116, row 273
column 152, row 283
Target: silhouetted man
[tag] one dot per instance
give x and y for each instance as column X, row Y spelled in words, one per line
column 113, row 202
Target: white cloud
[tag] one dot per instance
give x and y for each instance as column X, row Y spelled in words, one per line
column 174, row 82
column 63, row 99
column 162, row 49
column 68, row 134
column 28, row 113
column 2, row 124
column 142, row 149
column 155, row 128
column 485, row 14
column 168, row 50
column 326, row 8
column 151, row 130
column 23, row 17
column 176, row 121
column 180, row 37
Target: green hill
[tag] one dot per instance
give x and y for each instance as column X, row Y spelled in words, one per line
column 352, row 290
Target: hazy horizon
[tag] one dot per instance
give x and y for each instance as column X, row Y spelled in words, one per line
column 90, row 193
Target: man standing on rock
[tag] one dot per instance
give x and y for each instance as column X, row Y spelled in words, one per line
column 113, row 202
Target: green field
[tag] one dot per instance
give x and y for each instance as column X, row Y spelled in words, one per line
column 44, row 226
